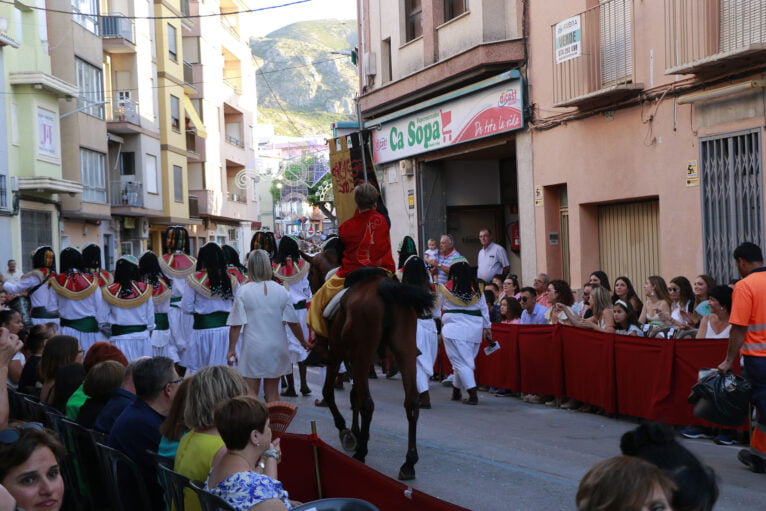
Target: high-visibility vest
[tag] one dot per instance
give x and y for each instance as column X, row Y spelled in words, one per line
column 749, row 308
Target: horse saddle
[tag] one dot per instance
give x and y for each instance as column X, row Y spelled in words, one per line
column 351, row 279
column 332, row 307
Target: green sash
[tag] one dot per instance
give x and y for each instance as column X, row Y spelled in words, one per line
column 127, row 329
column 87, row 325
column 42, row 313
column 174, row 301
column 300, row 305
column 161, row 321
column 212, row 320
column 460, row 311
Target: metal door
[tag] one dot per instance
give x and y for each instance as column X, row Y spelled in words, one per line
column 36, row 232
column 732, row 198
column 432, row 203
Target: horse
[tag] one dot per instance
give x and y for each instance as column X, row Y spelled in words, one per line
column 375, row 314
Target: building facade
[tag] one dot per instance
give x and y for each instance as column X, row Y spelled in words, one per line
column 443, row 97
column 647, row 135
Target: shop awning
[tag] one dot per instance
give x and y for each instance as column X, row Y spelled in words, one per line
column 193, row 116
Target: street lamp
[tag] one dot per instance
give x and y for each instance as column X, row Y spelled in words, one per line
column 84, row 107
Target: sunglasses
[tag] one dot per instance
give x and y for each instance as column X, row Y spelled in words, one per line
column 523, row 299
column 12, row 435
column 673, row 289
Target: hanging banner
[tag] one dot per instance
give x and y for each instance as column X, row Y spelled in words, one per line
column 568, row 39
column 347, row 172
column 480, row 114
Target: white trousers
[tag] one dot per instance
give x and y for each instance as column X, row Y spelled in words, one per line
column 427, row 342
column 461, row 354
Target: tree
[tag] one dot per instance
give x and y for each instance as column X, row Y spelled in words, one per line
column 320, row 195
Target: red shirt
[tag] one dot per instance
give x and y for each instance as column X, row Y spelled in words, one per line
column 366, row 242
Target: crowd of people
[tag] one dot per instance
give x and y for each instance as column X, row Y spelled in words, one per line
column 177, row 354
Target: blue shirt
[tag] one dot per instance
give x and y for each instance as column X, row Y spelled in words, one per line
column 120, row 400
column 536, row 318
column 136, row 430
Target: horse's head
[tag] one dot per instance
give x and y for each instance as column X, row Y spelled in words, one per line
column 321, row 263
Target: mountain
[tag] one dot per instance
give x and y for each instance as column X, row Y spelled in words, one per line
column 296, row 69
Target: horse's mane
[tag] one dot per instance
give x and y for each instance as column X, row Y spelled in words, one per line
column 333, row 246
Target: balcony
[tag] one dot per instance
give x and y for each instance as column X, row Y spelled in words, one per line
column 235, row 84
column 713, row 36
column 128, row 193
column 593, row 56
column 125, row 117
column 229, row 25
column 236, row 197
column 235, row 141
column 229, row 206
column 118, row 34
column 193, row 206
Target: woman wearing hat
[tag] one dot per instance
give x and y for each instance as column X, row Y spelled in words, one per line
column 35, row 285
column 81, row 307
column 465, row 317
column 131, row 310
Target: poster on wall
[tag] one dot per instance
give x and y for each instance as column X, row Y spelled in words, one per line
column 488, row 111
column 47, row 143
column 568, row 39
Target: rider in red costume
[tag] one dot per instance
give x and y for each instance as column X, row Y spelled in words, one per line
column 366, row 242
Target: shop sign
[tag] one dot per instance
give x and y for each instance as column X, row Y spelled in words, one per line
column 47, row 144
column 484, row 113
column 411, row 199
column 568, row 39
column 692, row 176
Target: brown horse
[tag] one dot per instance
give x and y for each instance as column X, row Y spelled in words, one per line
column 376, row 314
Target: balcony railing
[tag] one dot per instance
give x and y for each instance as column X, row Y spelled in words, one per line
column 236, row 197
column 594, row 62
column 704, row 34
column 185, row 10
column 193, row 206
column 234, row 141
column 126, row 110
column 118, row 26
column 128, row 193
column 188, row 73
column 234, row 84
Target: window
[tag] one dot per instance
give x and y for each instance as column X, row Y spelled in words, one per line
column 454, row 8
column 127, row 164
column 92, row 170
column 85, row 13
column 178, row 183
column 385, row 54
column 150, row 167
column 3, row 191
column 413, row 19
column 91, row 89
column 175, row 116
column 172, row 43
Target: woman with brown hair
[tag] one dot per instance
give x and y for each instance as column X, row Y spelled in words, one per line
column 174, row 427
column 60, row 352
column 657, row 301
column 36, row 340
column 98, row 385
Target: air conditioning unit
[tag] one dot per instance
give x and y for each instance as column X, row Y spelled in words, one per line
column 370, row 63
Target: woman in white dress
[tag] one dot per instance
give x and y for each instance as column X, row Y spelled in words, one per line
column 262, row 306
column 292, row 271
column 208, row 298
column 149, row 272
column 716, row 324
column 131, row 310
column 414, row 272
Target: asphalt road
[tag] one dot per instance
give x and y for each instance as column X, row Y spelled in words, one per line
column 505, row 454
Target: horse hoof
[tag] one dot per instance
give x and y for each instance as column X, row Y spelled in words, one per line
column 347, row 440
column 406, row 473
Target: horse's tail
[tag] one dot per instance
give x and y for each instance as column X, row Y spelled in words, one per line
column 418, row 298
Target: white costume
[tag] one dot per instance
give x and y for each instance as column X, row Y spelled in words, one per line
column 177, row 266
column 462, row 326
column 160, row 339
column 131, row 318
column 427, row 341
column 210, row 335
column 42, row 300
column 261, row 307
column 81, row 307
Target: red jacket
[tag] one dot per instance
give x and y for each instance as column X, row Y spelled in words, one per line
column 366, row 242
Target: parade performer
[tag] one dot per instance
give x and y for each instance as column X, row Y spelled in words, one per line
column 414, row 272
column 131, row 310
column 177, row 264
column 39, row 296
column 366, row 243
column 209, row 298
column 465, row 317
column 406, row 250
column 264, row 240
column 91, row 257
column 149, row 272
column 78, row 300
column 234, row 266
column 292, row 270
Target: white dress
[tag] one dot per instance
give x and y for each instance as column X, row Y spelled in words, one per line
column 261, row 307
column 462, row 328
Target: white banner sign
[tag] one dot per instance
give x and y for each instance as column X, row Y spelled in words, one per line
column 568, row 39
column 47, row 145
column 484, row 113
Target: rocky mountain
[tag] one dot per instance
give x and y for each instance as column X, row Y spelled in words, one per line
column 297, row 70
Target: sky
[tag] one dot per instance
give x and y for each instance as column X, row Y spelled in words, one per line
column 272, row 19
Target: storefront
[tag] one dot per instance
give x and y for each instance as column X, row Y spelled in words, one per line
column 454, row 164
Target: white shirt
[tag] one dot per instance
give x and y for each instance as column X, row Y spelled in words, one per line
column 141, row 315
column 12, row 277
column 194, row 303
column 43, row 297
column 92, row 306
column 465, row 326
column 492, row 260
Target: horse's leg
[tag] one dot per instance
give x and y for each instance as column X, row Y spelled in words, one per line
column 363, row 406
column 403, row 344
column 328, row 393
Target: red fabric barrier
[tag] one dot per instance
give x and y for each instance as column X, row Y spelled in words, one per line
column 343, row 476
column 588, row 359
column 501, row 368
column 636, row 376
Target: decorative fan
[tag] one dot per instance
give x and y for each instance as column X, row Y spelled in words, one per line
column 281, row 414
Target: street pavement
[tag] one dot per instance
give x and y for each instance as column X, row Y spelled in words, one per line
column 505, row 454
